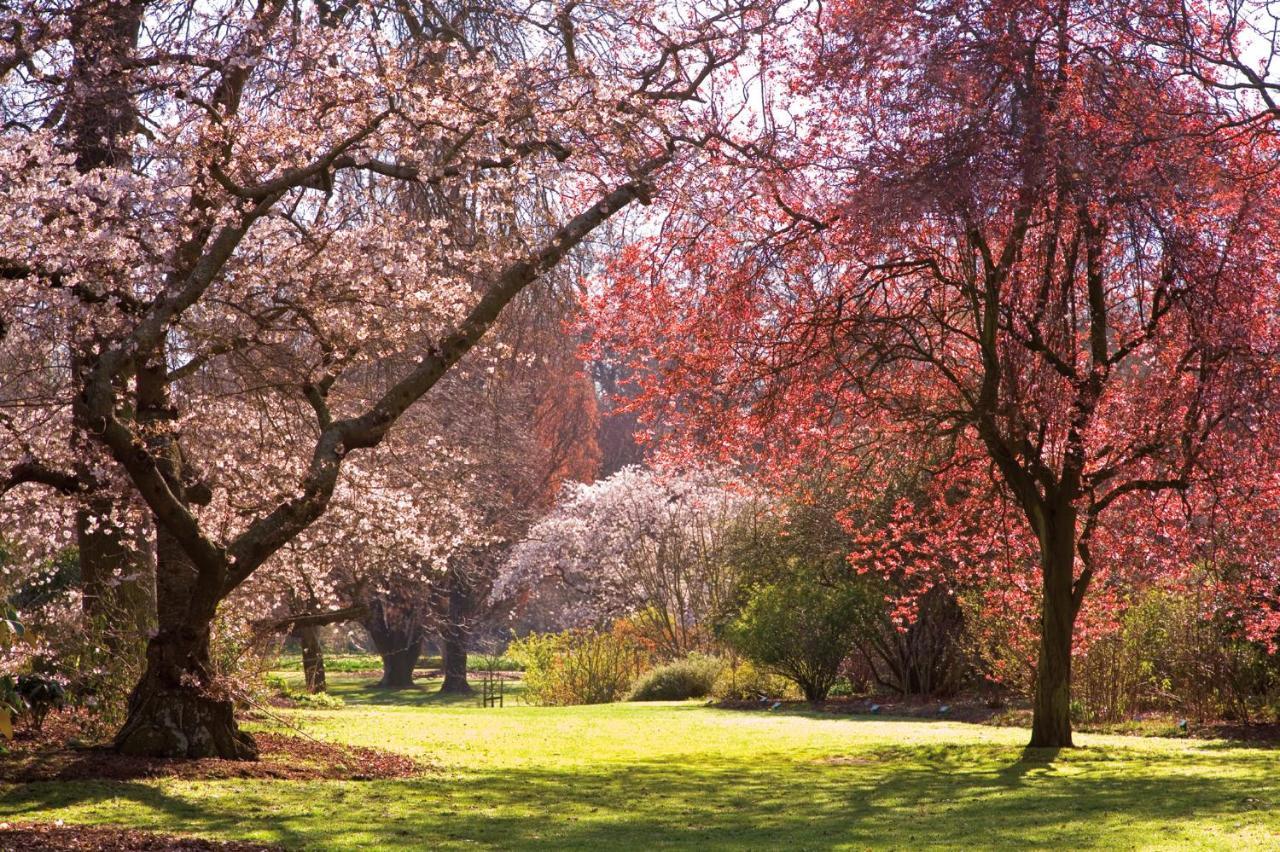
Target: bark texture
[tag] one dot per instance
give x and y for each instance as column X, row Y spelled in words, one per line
column 1051, row 708
column 172, row 711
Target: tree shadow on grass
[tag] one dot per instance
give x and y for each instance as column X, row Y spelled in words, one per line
column 900, row 796
column 364, row 691
column 161, row 811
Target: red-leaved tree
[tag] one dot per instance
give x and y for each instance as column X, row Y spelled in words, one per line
column 1006, row 242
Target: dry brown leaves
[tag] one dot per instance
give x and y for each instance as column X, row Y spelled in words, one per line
column 38, row 837
column 282, row 757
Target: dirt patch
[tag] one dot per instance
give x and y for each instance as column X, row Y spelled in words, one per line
column 36, row 837
column 1254, row 733
column 282, row 756
column 849, row 761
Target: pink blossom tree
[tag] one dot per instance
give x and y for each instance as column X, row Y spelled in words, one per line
column 203, row 214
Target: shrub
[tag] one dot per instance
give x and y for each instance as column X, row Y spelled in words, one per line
column 745, row 681
column 842, row 688
column 799, row 608
column 691, row 677
column 41, row 694
column 92, row 656
column 319, row 701
column 239, row 657
column 302, row 698
column 1171, row 652
column 101, row 664
column 924, row 654
column 1171, row 649
column 577, row 666
column 802, row 629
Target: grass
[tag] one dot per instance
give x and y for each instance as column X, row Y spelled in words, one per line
column 632, row 776
column 346, row 663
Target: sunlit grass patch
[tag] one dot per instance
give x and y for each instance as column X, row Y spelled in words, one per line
column 684, row 775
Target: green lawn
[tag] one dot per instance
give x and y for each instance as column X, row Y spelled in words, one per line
column 630, row 776
column 292, row 662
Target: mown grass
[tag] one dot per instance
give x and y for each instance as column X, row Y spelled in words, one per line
column 642, row 776
column 347, row 663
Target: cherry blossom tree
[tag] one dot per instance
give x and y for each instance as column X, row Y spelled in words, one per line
column 643, row 543
column 207, row 198
column 411, row 539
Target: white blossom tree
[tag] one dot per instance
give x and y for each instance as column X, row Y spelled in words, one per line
column 203, row 228
column 642, row 543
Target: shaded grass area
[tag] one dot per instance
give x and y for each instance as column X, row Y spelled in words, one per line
column 425, row 692
column 683, row 775
column 347, row 663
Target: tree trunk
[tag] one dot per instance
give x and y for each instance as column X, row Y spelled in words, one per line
column 453, row 642
column 102, row 555
column 172, row 711
column 397, row 634
column 117, row 582
column 1051, row 710
column 398, row 666
column 312, row 656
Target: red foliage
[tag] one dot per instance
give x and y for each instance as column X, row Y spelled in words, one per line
column 1003, row 250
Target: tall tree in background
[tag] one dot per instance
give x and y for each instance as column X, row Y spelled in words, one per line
column 649, row 544
column 218, row 191
column 1007, row 238
column 410, row 540
column 527, row 424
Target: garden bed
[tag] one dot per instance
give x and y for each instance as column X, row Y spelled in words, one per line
column 44, row 837
column 982, row 712
column 56, row 755
column 960, row 710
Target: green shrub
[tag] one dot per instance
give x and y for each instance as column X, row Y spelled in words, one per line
column 577, row 666
column 1172, row 653
column 802, row 629
column 746, row 681
column 41, row 693
column 842, row 688
column 318, row 700
column 691, row 677
column 799, row 608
